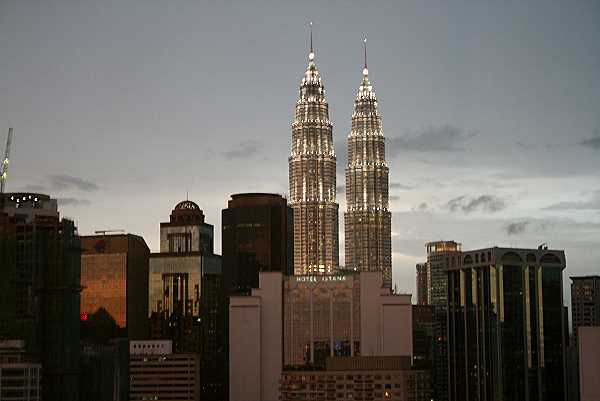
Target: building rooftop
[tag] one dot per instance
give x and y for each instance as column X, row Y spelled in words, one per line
column 585, row 277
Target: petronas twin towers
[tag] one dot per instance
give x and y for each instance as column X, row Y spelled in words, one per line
column 312, row 175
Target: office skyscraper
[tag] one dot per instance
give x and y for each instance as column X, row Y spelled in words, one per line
column 506, row 325
column 40, row 258
column 312, row 179
column 367, row 221
column 114, row 276
column 186, row 248
column 440, row 256
column 585, row 301
column 257, row 236
column 185, row 281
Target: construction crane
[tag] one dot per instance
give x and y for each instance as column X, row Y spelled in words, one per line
column 4, row 170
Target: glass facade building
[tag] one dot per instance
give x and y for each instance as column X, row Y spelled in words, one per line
column 506, row 336
column 114, row 276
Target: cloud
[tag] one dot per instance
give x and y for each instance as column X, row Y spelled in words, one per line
column 421, row 207
column 442, row 138
column 397, row 185
column 483, row 203
column 340, row 188
column 592, row 204
column 394, row 197
column 73, row 202
column 593, row 142
column 63, row 182
column 517, row 227
column 244, row 150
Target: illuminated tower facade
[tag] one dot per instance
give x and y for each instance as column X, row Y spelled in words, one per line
column 312, row 179
column 367, row 221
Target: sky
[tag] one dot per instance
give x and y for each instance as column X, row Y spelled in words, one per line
column 491, row 112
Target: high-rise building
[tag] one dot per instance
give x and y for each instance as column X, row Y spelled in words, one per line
column 156, row 373
column 114, row 276
column 585, row 301
column 40, row 258
column 312, row 176
column 105, row 371
column 422, row 284
column 440, row 256
column 175, row 283
column 184, row 294
column 257, row 237
column 20, row 378
column 431, row 290
column 374, row 378
column 296, row 322
column 585, row 312
column 422, row 326
column 367, row 220
column 506, row 325
column 213, row 335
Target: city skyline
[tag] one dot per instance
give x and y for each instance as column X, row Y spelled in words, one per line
column 490, row 124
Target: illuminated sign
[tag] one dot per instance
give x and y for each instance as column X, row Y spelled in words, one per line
column 83, row 317
column 315, row 279
column 100, row 245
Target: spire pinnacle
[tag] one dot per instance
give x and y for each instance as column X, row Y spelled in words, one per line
column 311, row 54
column 365, row 69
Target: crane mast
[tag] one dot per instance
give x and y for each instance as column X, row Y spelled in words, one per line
column 4, row 167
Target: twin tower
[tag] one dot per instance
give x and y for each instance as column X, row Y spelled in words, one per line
column 312, row 175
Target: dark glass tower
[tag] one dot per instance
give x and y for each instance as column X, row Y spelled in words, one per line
column 506, row 325
column 257, row 236
column 312, row 178
column 367, row 221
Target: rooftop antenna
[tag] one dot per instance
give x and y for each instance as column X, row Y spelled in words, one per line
column 4, row 167
column 114, row 231
column 311, row 54
column 365, row 47
column 311, row 44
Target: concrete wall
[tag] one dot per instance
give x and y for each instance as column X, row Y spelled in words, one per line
column 271, row 293
column 386, row 320
column 256, row 341
column 244, row 349
column 396, row 325
column 589, row 363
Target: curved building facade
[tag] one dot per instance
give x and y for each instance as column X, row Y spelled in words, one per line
column 312, row 179
column 367, row 220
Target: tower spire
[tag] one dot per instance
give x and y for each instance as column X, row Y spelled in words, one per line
column 365, row 69
column 311, row 54
column 311, row 44
column 365, row 47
